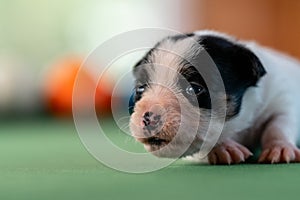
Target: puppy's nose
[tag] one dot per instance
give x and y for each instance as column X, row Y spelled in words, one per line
column 150, row 120
column 153, row 118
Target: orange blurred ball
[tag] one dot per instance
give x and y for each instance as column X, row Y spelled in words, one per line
column 59, row 83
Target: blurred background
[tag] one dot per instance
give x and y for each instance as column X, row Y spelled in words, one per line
column 42, row 46
column 43, row 42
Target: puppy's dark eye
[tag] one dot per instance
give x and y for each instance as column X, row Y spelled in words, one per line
column 136, row 95
column 195, row 89
column 139, row 90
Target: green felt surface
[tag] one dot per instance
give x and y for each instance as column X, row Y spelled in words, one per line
column 45, row 159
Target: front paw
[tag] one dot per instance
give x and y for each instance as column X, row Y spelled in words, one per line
column 279, row 152
column 228, row 152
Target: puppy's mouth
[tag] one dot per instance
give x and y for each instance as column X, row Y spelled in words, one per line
column 154, row 141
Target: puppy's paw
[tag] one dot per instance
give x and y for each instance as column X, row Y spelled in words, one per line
column 279, row 152
column 228, row 152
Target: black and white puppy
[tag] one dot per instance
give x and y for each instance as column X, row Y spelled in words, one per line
column 261, row 95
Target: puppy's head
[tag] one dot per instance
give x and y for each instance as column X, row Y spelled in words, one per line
column 171, row 95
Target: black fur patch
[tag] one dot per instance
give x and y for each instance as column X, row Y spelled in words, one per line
column 239, row 68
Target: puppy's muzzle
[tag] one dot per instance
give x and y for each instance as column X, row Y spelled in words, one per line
column 152, row 122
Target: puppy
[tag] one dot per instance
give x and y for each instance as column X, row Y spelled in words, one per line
column 261, row 97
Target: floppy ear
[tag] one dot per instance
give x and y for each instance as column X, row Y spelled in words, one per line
column 247, row 65
column 239, row 67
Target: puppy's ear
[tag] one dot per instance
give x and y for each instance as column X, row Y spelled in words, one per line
column 238, row 66
column 247, row 65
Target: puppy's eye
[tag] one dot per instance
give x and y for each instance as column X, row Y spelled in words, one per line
column 136, row 95
column 195, row 89
column 139, row 90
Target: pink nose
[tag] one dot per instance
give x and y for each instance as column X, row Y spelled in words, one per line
column 153, row 119
column 150, row 120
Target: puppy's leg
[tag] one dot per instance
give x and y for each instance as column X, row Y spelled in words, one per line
column 228, row 152
column 279, row 141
